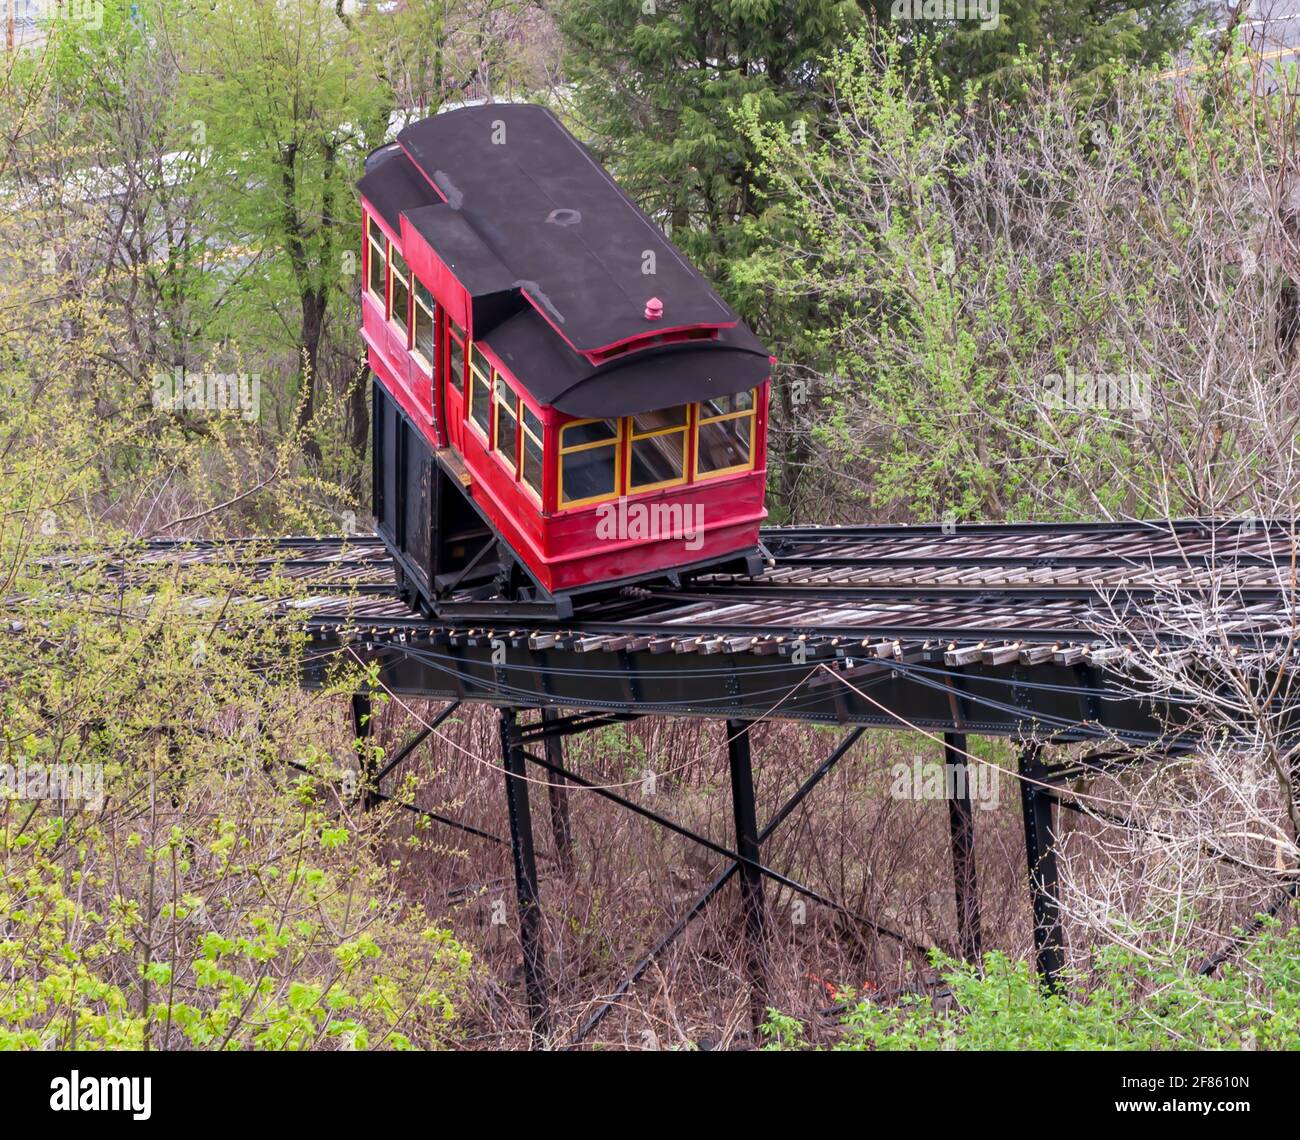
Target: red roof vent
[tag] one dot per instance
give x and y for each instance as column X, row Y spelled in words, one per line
column 654, row 309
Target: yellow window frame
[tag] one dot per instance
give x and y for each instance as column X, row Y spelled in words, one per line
column 497, row 406
column 457, row 334
column 431, row 313
column 476, row 376
column 381, row 248
column 406, row 277
column 618, row 443
column 526, row 433
column 634, row 436
column 703, row 421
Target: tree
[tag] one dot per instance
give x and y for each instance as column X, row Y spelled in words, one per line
column 1031, row 37
column 130, row 173
column 287, row 99
column 168, row 877
column 658, row 89
column 178, row 106
column 1027, row 309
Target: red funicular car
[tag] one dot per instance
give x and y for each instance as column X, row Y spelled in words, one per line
column 561, row 401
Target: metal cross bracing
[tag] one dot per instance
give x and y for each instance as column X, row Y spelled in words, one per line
column 988, row 629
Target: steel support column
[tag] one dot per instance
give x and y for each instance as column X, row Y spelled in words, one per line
column 751, row 878
column 526, row 889
column 363, row 729
column 1044, row 882
column 961, row 826
column 557, row 790
column 785, row 811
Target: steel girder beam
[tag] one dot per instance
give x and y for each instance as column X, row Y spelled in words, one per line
column 997, row 700
column 1237, row 941
column 415, row 741
column 720, row 849
column 371, row 796
column 554, row 726
column 384, row 797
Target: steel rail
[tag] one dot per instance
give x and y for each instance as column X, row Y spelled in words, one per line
column 370, row 552
column 752, row 591
column 1206, row 525
column 1183, row 526
column 1036, row 561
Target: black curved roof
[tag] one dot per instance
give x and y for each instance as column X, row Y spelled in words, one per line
column 531, row 224
column 659, row 377
column 393, row 184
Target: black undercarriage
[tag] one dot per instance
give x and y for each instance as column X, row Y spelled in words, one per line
column 450, row 561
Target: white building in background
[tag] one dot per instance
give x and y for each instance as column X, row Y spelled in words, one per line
column 23, row 15
column 26, row 21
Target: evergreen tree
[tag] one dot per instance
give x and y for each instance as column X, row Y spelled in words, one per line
column 1088, row 36
column 658, row 87
column 658, row 83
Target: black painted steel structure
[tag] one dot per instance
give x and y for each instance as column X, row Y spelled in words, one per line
column 961, row 824
column 1040, row 853
column 985, row 630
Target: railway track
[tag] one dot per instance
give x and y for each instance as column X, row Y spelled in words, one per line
column 992, row 593
column 1010, row 555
